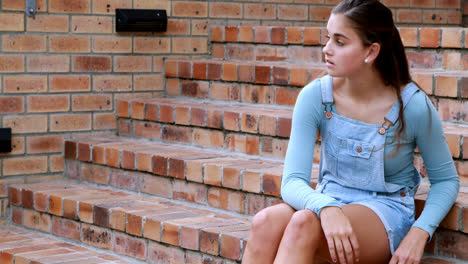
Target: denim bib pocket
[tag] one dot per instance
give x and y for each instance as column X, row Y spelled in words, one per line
column 349, row 160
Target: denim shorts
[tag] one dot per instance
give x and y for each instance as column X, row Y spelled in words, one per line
column 395, row 210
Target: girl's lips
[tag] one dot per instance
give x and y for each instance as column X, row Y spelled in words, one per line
column 329, row 63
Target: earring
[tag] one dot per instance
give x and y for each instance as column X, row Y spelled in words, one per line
column 366, row 60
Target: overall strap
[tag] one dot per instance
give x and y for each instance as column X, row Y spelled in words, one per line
column 326, row 85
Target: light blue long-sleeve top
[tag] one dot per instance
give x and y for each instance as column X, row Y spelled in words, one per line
column 423, row 129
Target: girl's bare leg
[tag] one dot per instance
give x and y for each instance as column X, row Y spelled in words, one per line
column 265, row 234
column 303, row 239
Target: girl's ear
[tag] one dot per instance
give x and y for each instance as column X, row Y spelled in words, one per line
column 373, row 52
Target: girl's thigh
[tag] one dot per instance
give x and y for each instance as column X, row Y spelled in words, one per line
column 370, row 232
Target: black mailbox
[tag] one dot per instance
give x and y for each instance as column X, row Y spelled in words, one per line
column 140, row 20
column 5, row 139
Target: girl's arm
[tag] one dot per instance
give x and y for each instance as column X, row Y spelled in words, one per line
column 295, row 186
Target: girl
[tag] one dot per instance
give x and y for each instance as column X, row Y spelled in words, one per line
column 371, row 116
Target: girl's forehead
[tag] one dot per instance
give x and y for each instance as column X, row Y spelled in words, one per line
column 339, row 24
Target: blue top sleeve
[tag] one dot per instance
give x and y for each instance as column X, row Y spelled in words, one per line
column 424, row 127
column 424, row 121
column 295, row 186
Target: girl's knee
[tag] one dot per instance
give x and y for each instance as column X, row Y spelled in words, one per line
column 271, row 218
column 305, row 221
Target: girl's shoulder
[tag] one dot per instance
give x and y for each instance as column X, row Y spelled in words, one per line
column 419, row 106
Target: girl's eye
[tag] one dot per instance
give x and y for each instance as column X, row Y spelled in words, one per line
column 339, row 43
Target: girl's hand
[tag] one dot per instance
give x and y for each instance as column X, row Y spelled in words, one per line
column 411, row 248
column 342, row 241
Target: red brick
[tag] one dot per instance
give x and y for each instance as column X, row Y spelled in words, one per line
column 451, row 38
column 262, row 35
column 96, row 236
column 430, row 37
column 452, row 60
column 452, row 244
column 225, row 10
column 14, row 195
column 128, row 180
column 23, row 43
column 41, row 5
column 278, row 35
column 110, row 44
column 448, row 4
column 251, row 181
column 409, row 16
column 70, row 122
column 12, row 105
column 132, row 64
column 284, row 127
column 70, row 83
column 195, row 89
column 245, row 34
column 25, row 165
column 12, row 22
column 91, row 64
column 294, row 35
column 274, row 147
column 293, row 12
column 130, row 246
column 63, row 6
column 207, row 138
column 165, row 254
column 189, row 45
column 109, row 6
column 66, row 228
column 231, row 121
column 319, row 13
column 214, row 71
column 409, row 37
column 106, row 121
column 239, row 52
column 226, row 199
column 48, row 63
column 48, row 103
column 69, row 44
column 262, row 74
column 423, row 60
column 423, row 3
column 249, row 123
column 91, row 102
column 171, row 69
column 189, row 9
column 446, row 86
column 190, row 192
column 198, row 117
column 25, row 84
column 231, row 244
column 280, row 75
column 26, row 124
column 175, row 134
column 45, row 144
column 95, row 174
column 229, row 72
column 17, row 215
column 151, row 45
column 11, row 63
column 246, row 73
column 199, row 70
column 231, row 34
column 298, row 77
column 147, row 130
column 178, row 27
column 217, row 51
column 48, row 23
column 36, row 220
column 91, row 24
column 260, row 11
column 434, row 16
column 184, row 69
column 286, row 96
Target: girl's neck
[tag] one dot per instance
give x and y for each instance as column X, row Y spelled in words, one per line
column 364, row 88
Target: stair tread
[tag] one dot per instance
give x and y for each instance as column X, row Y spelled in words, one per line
column 256, row 110
column 30, row 246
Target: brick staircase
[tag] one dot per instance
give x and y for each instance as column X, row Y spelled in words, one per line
column 187, row 171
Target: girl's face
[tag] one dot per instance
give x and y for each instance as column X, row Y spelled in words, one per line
column 344, row 51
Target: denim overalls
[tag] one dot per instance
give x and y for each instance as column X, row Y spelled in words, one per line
column 352, row 165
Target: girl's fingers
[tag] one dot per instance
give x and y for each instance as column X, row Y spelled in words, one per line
column 331, row 247
column 348, row 251
column 355, row 245
column 340, row 251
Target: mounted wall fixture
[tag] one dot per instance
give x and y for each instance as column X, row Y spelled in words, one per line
column 140, row 20
column 31, row 7
column 5, row 139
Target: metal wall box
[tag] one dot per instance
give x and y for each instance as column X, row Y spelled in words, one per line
column 5, row 139
column 140, row 20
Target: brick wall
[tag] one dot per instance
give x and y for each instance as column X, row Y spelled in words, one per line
column 62, row 71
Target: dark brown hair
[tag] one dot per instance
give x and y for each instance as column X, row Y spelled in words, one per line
column 373, row 22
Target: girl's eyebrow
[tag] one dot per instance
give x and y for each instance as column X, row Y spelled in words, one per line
column 340, row 35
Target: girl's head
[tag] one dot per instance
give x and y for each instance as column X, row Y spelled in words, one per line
column 373, row 24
